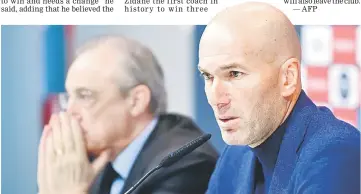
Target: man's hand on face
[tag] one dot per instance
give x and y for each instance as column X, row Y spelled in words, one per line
column 63, row 164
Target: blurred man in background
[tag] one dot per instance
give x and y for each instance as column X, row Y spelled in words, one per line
column 116, row 112
column 279, row 140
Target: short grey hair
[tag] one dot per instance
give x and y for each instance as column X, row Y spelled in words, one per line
column 142, row 67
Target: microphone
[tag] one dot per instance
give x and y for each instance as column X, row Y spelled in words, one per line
column 174, row 157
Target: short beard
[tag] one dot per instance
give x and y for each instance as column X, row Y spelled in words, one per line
column 266, row 117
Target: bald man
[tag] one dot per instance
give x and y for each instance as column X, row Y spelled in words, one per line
column 278, row 140
column 117, row 114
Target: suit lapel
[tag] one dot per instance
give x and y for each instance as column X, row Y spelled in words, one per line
column 137, row 171
column 151, row 149
column 246, row 185
column 293, row 137
column 96, row 186
column 146, row 154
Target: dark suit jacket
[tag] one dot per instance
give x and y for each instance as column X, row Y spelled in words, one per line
column 190, row 175
column 319, row 154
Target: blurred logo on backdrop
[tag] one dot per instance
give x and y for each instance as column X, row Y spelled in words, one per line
column 316, row 44
column 331, row 69
column 344, row 86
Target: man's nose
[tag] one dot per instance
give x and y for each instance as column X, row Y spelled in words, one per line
column 73, row 109
column 220, row 95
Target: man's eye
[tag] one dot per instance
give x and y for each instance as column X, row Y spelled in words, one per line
column 206, row 76
column 85, row 95
column 235, row 74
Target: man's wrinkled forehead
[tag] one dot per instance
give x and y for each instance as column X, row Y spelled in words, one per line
column 82, row 76
column 96, row 61
column 220, row 48
column 93, row 68
column 215, row 40
column 214, row 48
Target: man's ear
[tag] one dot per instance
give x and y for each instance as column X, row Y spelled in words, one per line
column 139, row 98
column 290, row 75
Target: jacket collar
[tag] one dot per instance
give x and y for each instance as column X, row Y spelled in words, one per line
column 294, row 135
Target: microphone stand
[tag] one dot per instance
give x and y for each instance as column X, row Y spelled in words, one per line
column 142, row 179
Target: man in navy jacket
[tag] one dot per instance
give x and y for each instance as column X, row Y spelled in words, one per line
column 278, row 140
